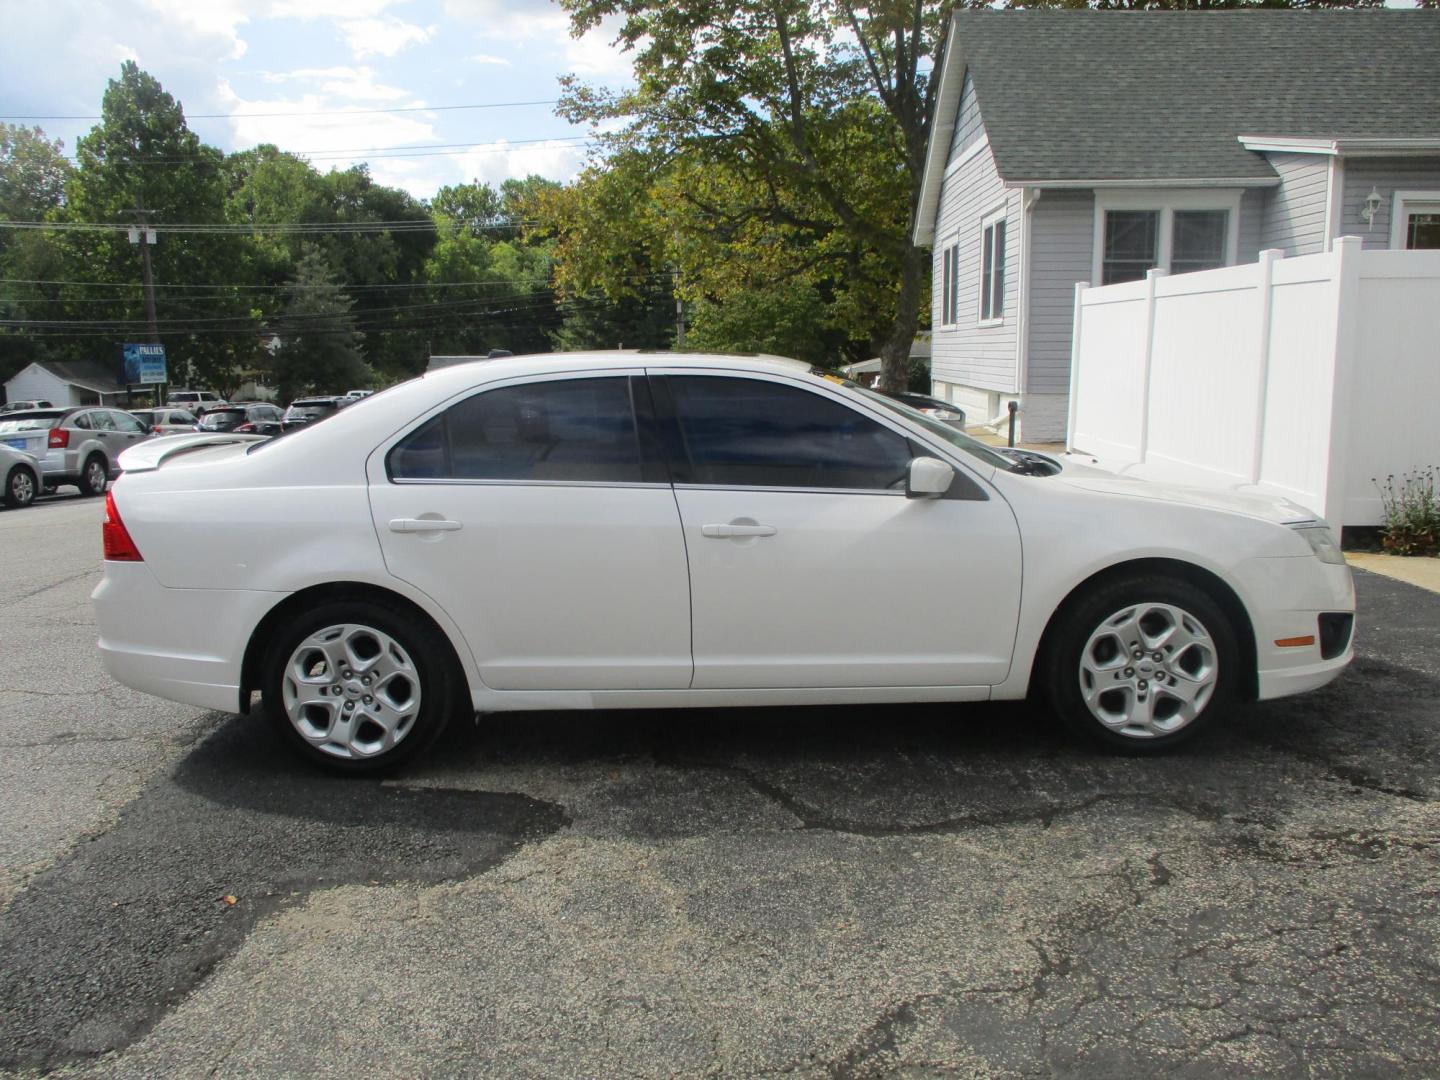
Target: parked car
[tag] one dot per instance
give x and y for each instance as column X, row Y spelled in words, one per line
column 22, row 477
column 934, row 407
column 257, row 417
column 198, row 402
column 74, row 446
column 304, row 411
column 356, row 395
column 24, row 406
column 623, row 531
column 166, row 421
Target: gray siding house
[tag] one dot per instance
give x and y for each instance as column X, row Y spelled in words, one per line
column 1089, row 146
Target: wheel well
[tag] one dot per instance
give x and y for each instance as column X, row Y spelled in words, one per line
column 316, row 594
column 1201, row 578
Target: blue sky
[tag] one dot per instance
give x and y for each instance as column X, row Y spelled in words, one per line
column 239, row 57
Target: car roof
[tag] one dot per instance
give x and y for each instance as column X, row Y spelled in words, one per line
column 505, row 367
column 38, row 414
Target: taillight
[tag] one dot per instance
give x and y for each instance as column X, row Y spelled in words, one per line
column 59, row 438
column 118, row 545
column 244, row 427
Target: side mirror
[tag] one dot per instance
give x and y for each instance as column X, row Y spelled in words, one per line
column 929, row 478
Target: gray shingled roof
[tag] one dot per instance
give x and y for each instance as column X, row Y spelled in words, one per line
column 87, row 373
column 1110, row 95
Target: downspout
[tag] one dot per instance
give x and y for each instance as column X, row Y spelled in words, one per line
column 1028, row 198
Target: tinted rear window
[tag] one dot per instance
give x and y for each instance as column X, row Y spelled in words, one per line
column 561, row 430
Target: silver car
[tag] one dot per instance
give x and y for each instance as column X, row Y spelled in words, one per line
column 74, row 446
column 167, row 421
column 22, row 477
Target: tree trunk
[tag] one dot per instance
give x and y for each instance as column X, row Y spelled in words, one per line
column 895, row 352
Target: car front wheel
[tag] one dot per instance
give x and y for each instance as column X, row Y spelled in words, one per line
column 1142, row 663
column 359, row 687
column 20, row 487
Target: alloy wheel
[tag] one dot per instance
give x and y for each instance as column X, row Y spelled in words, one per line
column 1148, row 670
column 351, row 691
column 22, row 488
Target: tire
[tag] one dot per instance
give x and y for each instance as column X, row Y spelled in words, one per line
column 94, row 476
column 21, row 486
column 1103, row 691
column 353, row 726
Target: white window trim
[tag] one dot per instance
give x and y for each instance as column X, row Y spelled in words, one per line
column 1400, row 209
column 1166, row 202
column 938, row 317
column 1000, row 213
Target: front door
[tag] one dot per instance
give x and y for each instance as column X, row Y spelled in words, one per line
column 538, row 515
column 809, row 567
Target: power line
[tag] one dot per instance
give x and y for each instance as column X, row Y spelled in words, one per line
column 219, row 288
column 319, row 112
column 379, row 153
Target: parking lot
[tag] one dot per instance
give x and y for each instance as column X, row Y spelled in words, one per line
column 918, row 891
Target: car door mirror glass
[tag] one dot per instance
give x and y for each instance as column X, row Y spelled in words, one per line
column 929, row 478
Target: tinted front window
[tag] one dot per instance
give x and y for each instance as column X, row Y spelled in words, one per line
column 748, row 433
column 572, row 429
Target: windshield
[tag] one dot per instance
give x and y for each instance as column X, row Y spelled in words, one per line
column 956, row 438
column 220, row 419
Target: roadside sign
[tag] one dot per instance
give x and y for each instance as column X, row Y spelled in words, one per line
column 145, row 364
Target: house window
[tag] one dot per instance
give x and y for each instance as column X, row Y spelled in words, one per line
column 1416, row 224
column 1131, row 245
column 1198, row 242
column 992, row 269
column 950, row 284
column 1179, row 233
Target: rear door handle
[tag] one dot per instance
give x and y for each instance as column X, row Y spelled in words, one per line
column 421, row 525
column 733, row 530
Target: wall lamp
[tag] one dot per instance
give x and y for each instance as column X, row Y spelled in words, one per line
column 1373, row 202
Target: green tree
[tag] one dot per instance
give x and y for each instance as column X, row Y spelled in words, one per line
column 320, row 349
column 33, row 173
column 143, row 162
column 794, row 127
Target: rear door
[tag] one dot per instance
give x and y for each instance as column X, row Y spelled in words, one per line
column 538, row 513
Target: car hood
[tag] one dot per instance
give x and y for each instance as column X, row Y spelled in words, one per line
column 1274, row 508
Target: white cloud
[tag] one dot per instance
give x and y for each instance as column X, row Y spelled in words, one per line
column 214, row 19
column 493, row 164
column 595, row 57
column 384, row 36
column 485, row 58
column 353, row 84
column 511, row 20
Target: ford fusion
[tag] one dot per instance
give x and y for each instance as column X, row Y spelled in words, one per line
column 625, row 530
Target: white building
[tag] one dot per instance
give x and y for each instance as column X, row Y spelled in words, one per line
column 64, row 384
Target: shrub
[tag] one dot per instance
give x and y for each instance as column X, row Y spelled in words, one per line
column 1412, row 513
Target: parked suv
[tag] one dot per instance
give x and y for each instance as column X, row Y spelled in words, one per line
column 74, row 446
column 198, row 402
column 304, row 411
column 253, row 417
column 166, row 421
column 25, row 406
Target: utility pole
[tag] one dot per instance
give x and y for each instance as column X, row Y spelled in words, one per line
column 145, row 237
column 679, row 322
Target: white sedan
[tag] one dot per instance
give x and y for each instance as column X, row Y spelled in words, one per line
column 627, row 530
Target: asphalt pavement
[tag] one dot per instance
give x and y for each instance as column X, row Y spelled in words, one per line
column 919, row 891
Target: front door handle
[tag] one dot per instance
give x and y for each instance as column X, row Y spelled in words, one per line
column 423, row 525
column 736, row 529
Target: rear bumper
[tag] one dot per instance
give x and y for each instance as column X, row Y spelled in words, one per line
column 185, row 645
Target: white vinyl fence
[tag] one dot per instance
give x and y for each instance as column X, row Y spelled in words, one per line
column 1305, row 377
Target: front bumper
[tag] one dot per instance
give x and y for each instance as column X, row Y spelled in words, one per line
column 185, row 645
column 1288, row 596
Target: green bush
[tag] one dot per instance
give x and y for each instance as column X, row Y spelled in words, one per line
column 1412, row 513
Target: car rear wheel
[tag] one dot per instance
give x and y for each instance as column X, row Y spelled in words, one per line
column 94, row 476
column 1142, row 663
column 21, row 487
column 359, row 687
